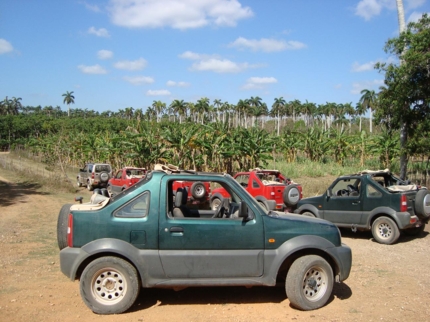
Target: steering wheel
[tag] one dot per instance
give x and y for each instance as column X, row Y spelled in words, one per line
column 219, row 212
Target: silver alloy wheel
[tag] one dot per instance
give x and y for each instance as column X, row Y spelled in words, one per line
column 384, row 230
column 108, row 286
column 315, row 283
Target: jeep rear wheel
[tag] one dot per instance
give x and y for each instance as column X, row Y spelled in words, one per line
column 109, row 285
column 309, row 282
column 385, row 231
column 291, row 195
column 62, row 223
column 422, row 203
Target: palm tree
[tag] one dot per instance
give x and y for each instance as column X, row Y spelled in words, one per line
column 369, row 100
column 68, row 99
column 277, row 108
column 180, row 107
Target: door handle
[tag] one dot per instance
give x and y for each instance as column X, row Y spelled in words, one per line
column 356, row 202
column 176, row 229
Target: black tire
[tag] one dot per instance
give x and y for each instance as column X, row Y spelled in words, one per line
column 104, row 176
column 78, row 183
column 62, row 223
column 422, row 204
column 216, row 202
column 291, row 195
column 262, row 204
column 416, row 231
column 198, row 190
column 309, row 282
column 385, row 230
column 89, row 186
column 109, row 285
column 309, row 214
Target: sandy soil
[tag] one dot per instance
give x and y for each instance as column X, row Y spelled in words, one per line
column 387, row 283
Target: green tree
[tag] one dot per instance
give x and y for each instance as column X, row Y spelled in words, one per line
column 68, row 99
column 405, row 101
column 368, row 100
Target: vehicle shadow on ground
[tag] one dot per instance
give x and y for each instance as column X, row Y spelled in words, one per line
column 208, row 295
column 11, row 193
column 153, row 297
column 367, row 235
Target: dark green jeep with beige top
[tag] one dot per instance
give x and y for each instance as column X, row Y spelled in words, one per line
column 151, row 236
column 372, row 200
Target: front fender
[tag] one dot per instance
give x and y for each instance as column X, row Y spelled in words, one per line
column 74, row 260
column 340, row 258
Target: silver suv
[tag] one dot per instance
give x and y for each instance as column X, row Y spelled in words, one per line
column 94, row 175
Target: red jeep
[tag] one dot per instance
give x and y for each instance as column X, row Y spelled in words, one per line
column 270, row 188
column 125, row 178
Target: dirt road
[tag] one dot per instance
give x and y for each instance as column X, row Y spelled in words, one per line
column 387, row 283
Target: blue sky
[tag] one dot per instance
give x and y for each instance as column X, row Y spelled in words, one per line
column 115, row 54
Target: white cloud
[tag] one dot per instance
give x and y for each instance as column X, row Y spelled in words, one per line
column 177, row 14
column 259, row 82
column 195, row 56
column 370, row 8
column 177, row 84
column 356, row 67
column 104, row 54
column 102, row 32
column 131, row 65
column 266, row 45
column 219, row 66
column 359, row 86
column 159, row 92
column 138, row 80
column 95, row 69
column 91, row 7
column 5, row 46
column 414, row 17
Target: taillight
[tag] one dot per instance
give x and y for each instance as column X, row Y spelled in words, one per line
column 301, row 192
column 403, row 203
column 70, row 231
column 92, row 175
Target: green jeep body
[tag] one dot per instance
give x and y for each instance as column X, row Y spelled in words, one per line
column 372, row 200
column 148, row 230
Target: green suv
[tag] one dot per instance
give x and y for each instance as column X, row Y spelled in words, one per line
column 372, row 200
column 151, row 236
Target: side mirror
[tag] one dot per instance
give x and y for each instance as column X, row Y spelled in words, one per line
column 244, row 212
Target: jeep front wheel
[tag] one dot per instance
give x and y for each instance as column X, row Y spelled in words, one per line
column 109, row 285
column 89, row 186
column 385, row 231
column 309, row 282
column 78, row 183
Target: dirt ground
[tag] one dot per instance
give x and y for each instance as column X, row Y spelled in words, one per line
column 387, row 283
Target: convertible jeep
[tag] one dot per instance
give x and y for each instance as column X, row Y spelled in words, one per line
column 372, row 200
column 152, row 236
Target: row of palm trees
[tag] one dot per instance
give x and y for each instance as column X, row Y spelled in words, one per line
column 246, row 113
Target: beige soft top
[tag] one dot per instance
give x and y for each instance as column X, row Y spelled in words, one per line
column 97, row 201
